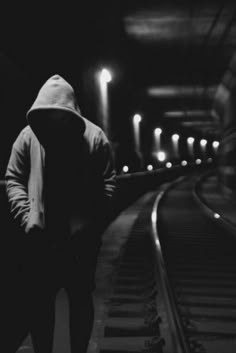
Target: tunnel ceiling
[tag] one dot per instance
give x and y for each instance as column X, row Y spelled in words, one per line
column 166, row 55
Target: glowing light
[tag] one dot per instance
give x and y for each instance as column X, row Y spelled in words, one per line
column 184, row 163
column 215, row 144
column 175, row 142
column 136, row 122
column 125, row 169
column 190, row 140
column 157, row 139
column 137, row 118
column 198, row 161
column 149, row 167
column 216, row 215
column 175, row 137
column 209, row 160
column 105, row 76
column 158, row 131
column 168, row 165
column 203, row 142
column 161, row 156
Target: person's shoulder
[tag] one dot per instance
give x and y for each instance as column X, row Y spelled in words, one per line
column 26, row 130
column 25, row 133
column 91, row 127
column 93, row 131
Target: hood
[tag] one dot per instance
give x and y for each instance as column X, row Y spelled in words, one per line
column 56, row 94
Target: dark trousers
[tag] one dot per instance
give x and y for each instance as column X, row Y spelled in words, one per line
column 47, row 271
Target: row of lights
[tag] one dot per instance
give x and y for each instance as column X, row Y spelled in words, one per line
column 203, row 142
column 105, row 77
column 190, row 140
column 183, row 163
column 175, row 137
column 175, row 140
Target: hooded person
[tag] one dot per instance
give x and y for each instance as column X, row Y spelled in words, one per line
column 60, row 180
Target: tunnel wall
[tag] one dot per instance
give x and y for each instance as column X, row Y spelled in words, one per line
column 225, row 106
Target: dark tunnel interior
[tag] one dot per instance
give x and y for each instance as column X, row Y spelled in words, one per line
column 159, row 78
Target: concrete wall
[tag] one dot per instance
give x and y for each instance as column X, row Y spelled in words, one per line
column 225, row 106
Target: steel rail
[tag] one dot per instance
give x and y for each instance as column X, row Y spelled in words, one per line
column 170, row 325
column 225, row 223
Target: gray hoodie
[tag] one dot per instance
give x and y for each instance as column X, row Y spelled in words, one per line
column 91, row 177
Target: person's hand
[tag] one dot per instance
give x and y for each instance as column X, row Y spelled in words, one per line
column 36, row 245
column 36, row 237
column 35, row 232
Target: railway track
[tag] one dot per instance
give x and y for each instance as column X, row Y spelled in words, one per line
column 200, row 260
column 136, row 319
column 174, row 289
column 132, row 322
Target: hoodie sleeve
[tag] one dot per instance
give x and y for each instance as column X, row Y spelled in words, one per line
column 17, row 180
column 106, row 166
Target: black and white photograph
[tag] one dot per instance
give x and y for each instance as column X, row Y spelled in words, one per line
column 118, row 176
